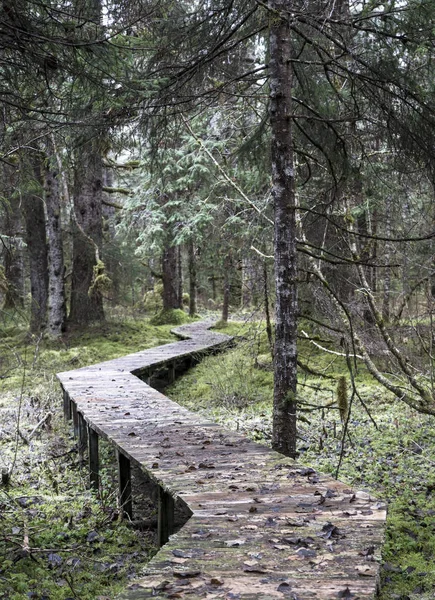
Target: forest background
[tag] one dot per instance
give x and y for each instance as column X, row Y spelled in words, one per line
column 277, row 157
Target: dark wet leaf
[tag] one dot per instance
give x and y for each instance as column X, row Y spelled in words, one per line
column 191, row 553
column 54, row 559
column 306, row 553
column 92, row 537
column 186, row 574
column 331, row 531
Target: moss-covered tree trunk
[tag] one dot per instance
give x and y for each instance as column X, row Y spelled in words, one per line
column 285, row 363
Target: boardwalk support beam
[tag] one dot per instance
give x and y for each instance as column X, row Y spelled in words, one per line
column 94, row 462
column 124, row 481
column 66, row 406
column 83, row 435
column 165, row 523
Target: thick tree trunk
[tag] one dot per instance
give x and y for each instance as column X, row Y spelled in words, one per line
column 193, row 285
column 285, row 353
column 56, row 285
column 36, row 242
column 170, row 278
column 111, row 252
column 86, row 304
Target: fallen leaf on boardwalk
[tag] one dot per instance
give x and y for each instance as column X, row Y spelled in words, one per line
column 216, row 581
column 365, row 570
column 179, row 561
column 257, row 569
column 186, row 574
column 346, row 593
column 235, row 543
column 306, row 553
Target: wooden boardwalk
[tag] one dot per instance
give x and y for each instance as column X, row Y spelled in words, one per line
column 261, row 525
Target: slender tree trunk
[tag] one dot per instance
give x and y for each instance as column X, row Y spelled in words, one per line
column 193, row 285
column 170, row 278
column 86, row 307
column 36, row 242
column 13, row 259
column 180, row 277
column 226, row 298
column 386, row 304
column 56, row 286
column 283, row 190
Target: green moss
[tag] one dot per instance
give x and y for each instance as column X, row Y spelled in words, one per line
column 174, row 316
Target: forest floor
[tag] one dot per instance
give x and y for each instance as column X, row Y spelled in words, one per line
column 59, row 541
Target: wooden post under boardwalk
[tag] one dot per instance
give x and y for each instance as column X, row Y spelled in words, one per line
column 165, row 523
column 83, row 435
column 75, row 419
column 124, row 481
column 66, row 406
column 94, row 462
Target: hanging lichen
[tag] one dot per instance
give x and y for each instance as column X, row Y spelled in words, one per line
column 101, row 282
column 342, row 399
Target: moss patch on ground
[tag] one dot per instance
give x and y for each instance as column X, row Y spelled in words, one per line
column 58, row 539
column 390, row 449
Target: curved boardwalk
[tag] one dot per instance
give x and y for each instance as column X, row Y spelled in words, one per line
column 261, row 525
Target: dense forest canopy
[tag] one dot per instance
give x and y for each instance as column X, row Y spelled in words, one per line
column 277, row 156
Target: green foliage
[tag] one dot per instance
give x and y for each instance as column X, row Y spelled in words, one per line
column 101, row 282
column 153, row 299
column 173, row 316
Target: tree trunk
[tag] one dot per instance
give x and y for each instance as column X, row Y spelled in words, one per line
column 36, row 241
column 56, row 286
column 180, row 277
column 13, row 259
column 285, row 353
column 227, row 292
column 170, row 278
column 192, row 279
column 386, row 304
column 86, row 304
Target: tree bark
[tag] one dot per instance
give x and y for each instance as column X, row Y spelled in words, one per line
column 56, row 286
column 86, row 307
column 193, row 286
column 170, row 278
column 36, row 241
column 228, row 263
column 13, row 259
column 283, row 190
